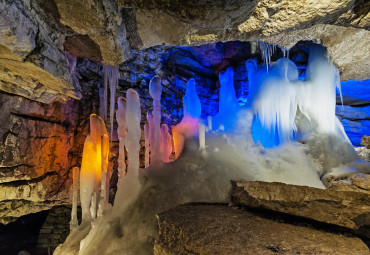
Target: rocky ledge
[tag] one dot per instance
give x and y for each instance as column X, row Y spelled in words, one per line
column 345, row 207
column 219, row 229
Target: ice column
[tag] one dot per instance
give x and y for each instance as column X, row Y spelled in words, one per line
column 149, row 117
column 166, row 144
column 76, row 176
column 155, row 90
column 122, row 132
column 147, row 137
column 87, row 176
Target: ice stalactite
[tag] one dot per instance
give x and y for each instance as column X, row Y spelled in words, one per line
column 147, row 139
column 111, row 77
column 267, row 50
column 122, row 133
column 274, row 102
column 166, row 144
column 76, row 176
column 228, row 104
column 104, row 95
column 155, row 91
column 102, row 102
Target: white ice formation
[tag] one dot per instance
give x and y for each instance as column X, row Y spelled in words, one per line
column 305, row 145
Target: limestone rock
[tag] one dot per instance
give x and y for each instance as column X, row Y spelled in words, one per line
column 363, row 152
column 39, row 144
column 365, row 141
column 102, row 22
column 343, row 208
column 218, row 229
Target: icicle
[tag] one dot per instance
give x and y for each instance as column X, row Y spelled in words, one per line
column 155, row 91
column 147, row 137
column 102, row 110
column 104, row 106
column 166, row 144
column 121, row 116
column 267, row 50
column 113, row 76
column 76, row 176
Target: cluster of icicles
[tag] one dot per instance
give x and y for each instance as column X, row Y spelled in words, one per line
column 276, row 98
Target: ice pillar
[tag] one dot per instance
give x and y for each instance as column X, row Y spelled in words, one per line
column 155, row 90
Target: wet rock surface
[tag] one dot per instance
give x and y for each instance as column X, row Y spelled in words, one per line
column 219, row 229
column 339, row 206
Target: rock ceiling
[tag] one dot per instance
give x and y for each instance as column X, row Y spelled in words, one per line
column 34, row 34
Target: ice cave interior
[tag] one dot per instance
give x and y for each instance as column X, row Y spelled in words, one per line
column 151, row 127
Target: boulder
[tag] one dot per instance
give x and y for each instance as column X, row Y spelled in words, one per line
column 347, row 209
column 219, row 229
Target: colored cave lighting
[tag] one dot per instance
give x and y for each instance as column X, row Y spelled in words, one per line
column 254, row 142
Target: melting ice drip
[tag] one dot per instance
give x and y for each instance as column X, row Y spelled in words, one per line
column 280, row 110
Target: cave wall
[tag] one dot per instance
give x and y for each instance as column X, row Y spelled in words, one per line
column 42, row 142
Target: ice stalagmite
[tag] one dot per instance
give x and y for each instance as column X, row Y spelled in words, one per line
column 149, row 117
column 191, row 102
column 97, row 129
column 166, row 144
column 104, row 166
column 87, row 176
column 155, row 91
column 130, row 184
column 202, row 138
column 228, row 104
column 122, row 132
column 188, row 127
column 147, row 137
column 76, row 176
